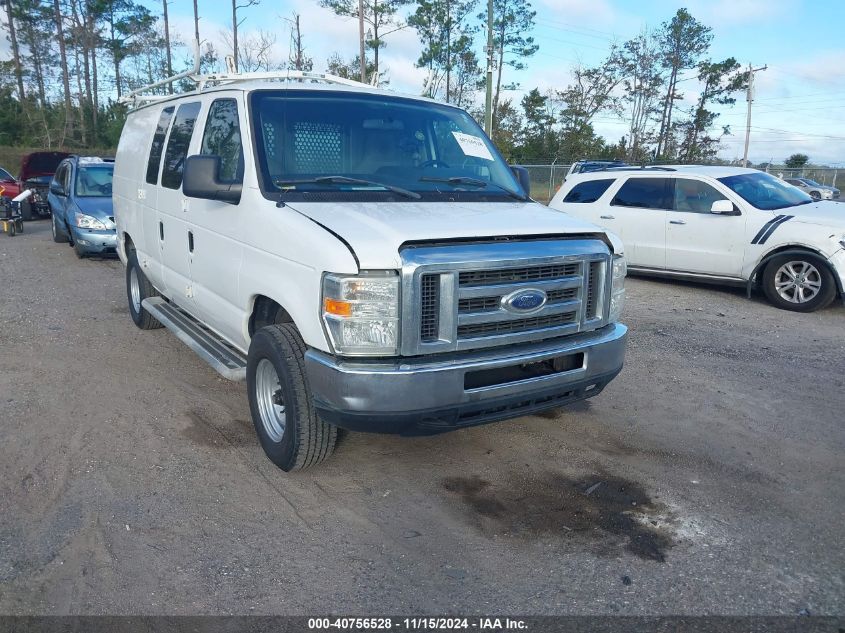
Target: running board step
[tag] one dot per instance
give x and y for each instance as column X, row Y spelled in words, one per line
column 225, row 359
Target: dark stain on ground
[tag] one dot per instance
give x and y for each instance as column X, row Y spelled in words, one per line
column 558, row 506
column 207, row 433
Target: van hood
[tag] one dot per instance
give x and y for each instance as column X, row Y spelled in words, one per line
column 826, row 213
column 376, row 230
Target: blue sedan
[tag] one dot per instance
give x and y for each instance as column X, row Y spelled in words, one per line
column 81, row 205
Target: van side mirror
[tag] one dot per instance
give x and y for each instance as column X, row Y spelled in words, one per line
column 722, row 206
column 524, row 179
column 199, row 180
column 56, row 188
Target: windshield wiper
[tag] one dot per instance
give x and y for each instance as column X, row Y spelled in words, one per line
column 346, row 180
column 474, row 182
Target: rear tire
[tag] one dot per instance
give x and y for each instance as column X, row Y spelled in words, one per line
column 801, row 283
column 12, row 228
column 291, row 433
column 26, row 210
column 138, row 288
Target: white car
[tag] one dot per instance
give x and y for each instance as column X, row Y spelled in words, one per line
column 363, row 259
column 718, row 224
column 815, row 190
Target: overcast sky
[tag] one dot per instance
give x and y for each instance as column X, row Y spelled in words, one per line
column 797, row 105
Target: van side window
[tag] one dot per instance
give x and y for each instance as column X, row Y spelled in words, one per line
column 588, row 191
column 158, row 145
column 644, row 193
column 177, row 144
column 222, row 137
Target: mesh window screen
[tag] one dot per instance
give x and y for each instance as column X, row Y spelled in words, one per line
column 317, row 147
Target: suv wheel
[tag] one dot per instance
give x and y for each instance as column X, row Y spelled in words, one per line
column 291, row 433
column 802, row 283
column 138, row 288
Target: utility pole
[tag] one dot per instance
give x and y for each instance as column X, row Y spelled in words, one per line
column 750, row 98
column 361, row 38
column 488, row 100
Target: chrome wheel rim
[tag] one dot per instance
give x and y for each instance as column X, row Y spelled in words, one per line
column 271, row 404
column 798, row 282
column 135, row 290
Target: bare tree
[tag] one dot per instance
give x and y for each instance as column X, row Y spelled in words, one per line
column 16, row 57
column 167, row 44
column 297, row 58
column 60, row 36
column 235, row 24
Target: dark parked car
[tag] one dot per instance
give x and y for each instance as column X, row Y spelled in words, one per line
column 37, row 170
column 81, row 204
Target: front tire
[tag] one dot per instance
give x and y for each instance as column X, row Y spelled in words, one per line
column 291, row 433
column 138, row 288
column 815, row 195
column 801, row 283
column 58, row 236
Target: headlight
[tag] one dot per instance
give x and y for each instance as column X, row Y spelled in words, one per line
column 87, row 222
column 617, row 288
column 361, row 312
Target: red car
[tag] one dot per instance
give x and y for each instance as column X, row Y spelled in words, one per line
column 37, row 171
column 9, row 184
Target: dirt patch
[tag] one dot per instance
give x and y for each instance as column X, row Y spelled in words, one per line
column 203, row 431
column 592, row 508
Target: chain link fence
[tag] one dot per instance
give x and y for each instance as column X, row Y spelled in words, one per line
column 547, row 179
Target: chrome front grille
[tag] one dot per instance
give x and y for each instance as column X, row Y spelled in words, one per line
column 456, row 297
column 518, row 325
column 429, row 307
column 513, row 275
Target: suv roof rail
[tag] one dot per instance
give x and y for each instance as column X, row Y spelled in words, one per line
column 137, row 98
column 635, row 168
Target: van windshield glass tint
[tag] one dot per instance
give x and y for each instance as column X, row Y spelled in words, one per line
column 439, row 152
column 766, row 192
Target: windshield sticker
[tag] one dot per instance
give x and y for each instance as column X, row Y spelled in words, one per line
column 473, row 145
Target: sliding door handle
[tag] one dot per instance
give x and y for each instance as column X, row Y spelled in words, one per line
column 161, row 231
column 677, row 222
column 190, row 241
column 608, row 217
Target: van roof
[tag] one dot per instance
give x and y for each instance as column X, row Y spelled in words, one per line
column 248, row 84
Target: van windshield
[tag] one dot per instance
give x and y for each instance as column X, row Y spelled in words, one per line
column 320, row 145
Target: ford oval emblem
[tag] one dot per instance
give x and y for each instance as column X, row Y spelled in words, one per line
column 523, row 301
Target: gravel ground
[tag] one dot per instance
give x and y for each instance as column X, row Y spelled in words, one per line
column 707, row 479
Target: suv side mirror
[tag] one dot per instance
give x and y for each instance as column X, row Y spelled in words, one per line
column 56, row 188
column 722, row 206
column 524, row 179
column 199, row 180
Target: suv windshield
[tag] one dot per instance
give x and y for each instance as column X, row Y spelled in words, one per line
column 766, row 192
column 94, row 181
column 319, row 145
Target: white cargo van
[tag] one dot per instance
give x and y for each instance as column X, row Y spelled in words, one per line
column 362, row 259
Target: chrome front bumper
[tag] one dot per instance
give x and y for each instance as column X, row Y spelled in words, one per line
column 440, row 393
